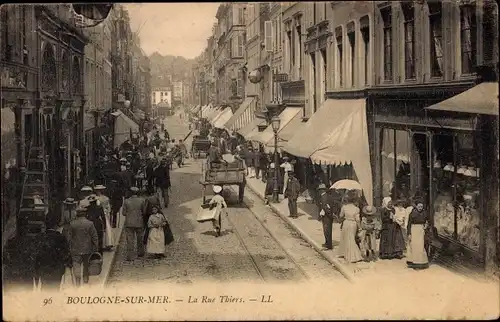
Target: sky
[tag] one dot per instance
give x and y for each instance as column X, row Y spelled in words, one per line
column 179, row 29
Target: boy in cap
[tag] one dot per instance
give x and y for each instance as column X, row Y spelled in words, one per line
column 218, row 200
column 368, row 234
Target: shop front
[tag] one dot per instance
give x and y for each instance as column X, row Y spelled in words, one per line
column 440, row 156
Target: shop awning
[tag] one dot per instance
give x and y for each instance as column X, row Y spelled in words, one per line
column 285, row 117
column 223, row 118
column 237, row 121
column 204, row 110
column 123, row 127
column 287, row 132
column 480, row 99
column 196, row 109
column 213, row 114
column 216, row 116
column 337, row 134
column 251, row 128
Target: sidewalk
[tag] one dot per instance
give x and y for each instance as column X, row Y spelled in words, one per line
column 308, row 226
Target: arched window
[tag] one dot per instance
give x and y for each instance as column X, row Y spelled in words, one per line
column 65, row 72
column 49, row 79
column 77, row 83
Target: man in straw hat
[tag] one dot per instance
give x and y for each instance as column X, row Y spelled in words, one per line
column 85, row 193
column 326, row 215
column 292, row 192
column 133, row 208
column 69, row 212
column 95, row 213
column 106, row 206
column 83, row 241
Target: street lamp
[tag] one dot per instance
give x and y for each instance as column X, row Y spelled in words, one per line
column 275, row 123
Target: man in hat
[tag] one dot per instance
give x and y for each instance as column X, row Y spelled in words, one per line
column 69, row 212
column 134, row 223
column 85, row 193
column 116, row 201
column 292, row 192
column 54, row 257
column 326, row 215
column 162, row 181
column 95, row 213
column 83, row 241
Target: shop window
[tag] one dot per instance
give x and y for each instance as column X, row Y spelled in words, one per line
column 436, row 39
column 409, row 38
column 395, row 163
column 456, row 189
column 468, row 37
column 387, row 18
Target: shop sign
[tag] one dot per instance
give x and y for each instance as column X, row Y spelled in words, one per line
column 466, row 124
column 12, row 78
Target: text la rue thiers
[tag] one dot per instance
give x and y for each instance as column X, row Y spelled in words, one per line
column 228, row 299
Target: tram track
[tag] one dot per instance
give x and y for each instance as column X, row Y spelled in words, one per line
column 248, row 231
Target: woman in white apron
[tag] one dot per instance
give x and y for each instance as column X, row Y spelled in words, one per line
column 106, row 206
column 219, row 201
column 287, row 166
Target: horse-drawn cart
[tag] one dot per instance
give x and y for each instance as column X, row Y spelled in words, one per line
column 221, row 174
column 200, row 145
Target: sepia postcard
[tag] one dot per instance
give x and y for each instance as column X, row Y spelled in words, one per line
column 250, row 161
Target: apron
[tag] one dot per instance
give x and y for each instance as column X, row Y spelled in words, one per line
column 108, row 232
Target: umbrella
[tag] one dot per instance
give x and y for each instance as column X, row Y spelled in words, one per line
column 346, row 184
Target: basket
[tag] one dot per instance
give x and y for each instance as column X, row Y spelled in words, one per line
column 95, row 264
column 206, row 213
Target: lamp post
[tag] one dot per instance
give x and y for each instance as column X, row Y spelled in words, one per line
column 275, row 123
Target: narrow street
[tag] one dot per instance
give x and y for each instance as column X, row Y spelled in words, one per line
column 246, row 251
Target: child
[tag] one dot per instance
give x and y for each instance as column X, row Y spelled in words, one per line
column 368, row 234
column 218, row 201
column 156, row 235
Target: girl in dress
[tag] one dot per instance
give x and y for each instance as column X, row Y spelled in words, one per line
column 417, row 223
column 349, row 215
column 156, row 235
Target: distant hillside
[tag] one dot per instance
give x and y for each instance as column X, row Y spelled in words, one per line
column 166, row 68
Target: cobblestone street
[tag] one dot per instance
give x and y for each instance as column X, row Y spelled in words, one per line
column 246, row 251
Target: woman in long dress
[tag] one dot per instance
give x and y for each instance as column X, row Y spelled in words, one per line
column 391, row 237
column 106, row 206
column 349, row 214
column 418, row 220
column 156, row 235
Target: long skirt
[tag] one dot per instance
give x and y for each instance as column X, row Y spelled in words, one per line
column 348, row 247
column 156, row 241
column 108, row 232
column 416, row 256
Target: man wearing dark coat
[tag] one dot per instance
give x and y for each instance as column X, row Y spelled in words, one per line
column 116, row 201
column 53, row 258
column 326, row 215
column 95, row 213
column 292, row 192
column 162, row 181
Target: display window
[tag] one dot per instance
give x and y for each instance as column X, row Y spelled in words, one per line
column 456, row 190
column 395, row 159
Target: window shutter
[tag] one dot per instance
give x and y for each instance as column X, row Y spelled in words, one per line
column 268, row 35
column 241, row 44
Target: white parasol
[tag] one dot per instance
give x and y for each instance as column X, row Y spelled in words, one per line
column 346, row 184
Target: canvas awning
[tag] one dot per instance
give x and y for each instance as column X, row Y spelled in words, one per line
column 337, row 134
column 215, row 116
column 196, row 109
column 285, row 117
column 287, row 132
column 204, row 110
column 480, row 99
column 242, row 115
column 123, row 127
column 223, row 118
column 251, row 128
